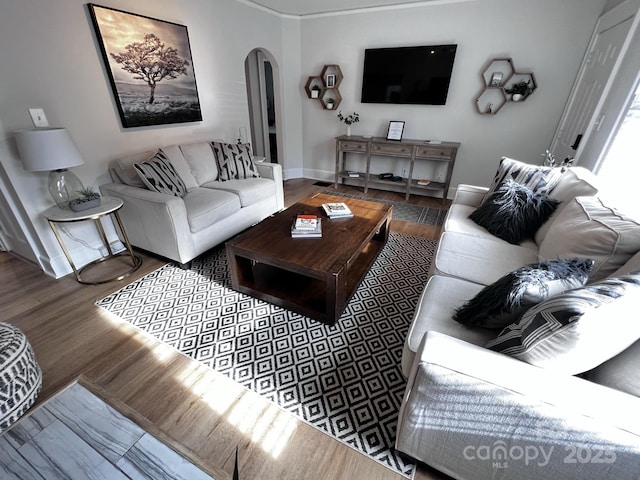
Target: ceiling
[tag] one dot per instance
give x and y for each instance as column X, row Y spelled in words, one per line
column 315, row 7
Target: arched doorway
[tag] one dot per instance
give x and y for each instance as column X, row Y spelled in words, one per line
column 263, row 93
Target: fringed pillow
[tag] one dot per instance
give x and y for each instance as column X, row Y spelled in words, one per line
column 504, row 301
column 514, row 212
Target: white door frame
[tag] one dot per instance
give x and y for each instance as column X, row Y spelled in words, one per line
column 629, row 9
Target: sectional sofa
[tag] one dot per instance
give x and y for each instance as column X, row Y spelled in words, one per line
column 182, row 200
column 554, row 392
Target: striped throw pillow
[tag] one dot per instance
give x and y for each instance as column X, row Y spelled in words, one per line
column 541, row 180
column 577, row 330
column 159, row 175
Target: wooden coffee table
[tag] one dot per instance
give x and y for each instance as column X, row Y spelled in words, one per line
column 315, row 277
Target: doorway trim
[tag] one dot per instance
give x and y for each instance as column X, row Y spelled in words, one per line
column 257, row 100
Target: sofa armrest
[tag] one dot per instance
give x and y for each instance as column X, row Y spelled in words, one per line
column 154, row 221
column 471, row 195
column 274, row 172
column 463, row 402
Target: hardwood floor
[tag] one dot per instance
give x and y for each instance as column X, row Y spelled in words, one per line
column 202, row 412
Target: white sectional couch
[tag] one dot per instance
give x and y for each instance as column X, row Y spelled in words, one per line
column 475, row 413
column 211, row 210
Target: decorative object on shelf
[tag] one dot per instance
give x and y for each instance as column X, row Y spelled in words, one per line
column 140, row 51
column 330, row 81
column 324, row 87
column 496, row 79
column 394, row 132
column 349, row 120
column 500, row 78
column 88, row 198
column 52, row 149
column 519, row 90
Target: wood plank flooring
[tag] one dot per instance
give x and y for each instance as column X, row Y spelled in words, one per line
column 201, row 412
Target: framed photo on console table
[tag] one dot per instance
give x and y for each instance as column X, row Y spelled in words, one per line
column 395, row 130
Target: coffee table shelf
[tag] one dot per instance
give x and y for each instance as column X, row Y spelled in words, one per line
column 315, row 277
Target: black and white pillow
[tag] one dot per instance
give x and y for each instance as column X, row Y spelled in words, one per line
column 539, row 179
column 577, row 330
column 514, row 212
column 159, row 175
column 241, row 154
column 235, row 161
column 504, row 301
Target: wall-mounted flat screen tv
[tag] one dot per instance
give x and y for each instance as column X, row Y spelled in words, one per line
column 408, row 75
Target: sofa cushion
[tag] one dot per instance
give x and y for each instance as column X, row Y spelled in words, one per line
column 249, row 190
column 537, row 178
column 513, row 212
column 174, row 155
column 575, row 182
column 124, row 171
column 621, row 372
column 434, row 312
column 589, row 227
column 201, row 160
column 504, row 301
column 481, row 260
column 205, row 207
column 159, row 175
column 577, row 330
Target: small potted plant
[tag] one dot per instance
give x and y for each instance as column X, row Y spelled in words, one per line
column 520, row 90
column 349, row 120
column 88, row 198
column 315, row 91
column 330, row 103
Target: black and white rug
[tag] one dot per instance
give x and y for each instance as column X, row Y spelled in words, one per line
column 345, row 380
column 405, row 212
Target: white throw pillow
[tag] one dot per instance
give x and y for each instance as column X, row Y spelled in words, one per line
column 577, row 330
column 588, row 227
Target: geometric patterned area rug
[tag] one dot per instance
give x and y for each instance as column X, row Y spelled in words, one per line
column 345, row 379
column 405, row 212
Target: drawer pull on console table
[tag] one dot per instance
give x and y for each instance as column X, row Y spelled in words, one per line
column 414, row 150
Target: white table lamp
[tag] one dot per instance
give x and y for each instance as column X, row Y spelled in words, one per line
column 52, row 149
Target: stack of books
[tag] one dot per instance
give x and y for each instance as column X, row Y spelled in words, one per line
column 306, row 226
column 337, row 209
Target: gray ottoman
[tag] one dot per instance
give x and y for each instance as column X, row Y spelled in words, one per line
column 20, row 375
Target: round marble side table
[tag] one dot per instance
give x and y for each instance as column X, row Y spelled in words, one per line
column 108, row 206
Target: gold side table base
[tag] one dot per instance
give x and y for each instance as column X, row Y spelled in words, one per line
column 136, row 265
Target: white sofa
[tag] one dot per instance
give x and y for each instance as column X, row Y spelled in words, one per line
column 474, row 413
column 212, row 211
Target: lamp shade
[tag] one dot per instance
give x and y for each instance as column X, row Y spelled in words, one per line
column 47, row 149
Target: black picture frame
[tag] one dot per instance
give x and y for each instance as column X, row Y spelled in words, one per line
column 150, row 96
column 395, row 130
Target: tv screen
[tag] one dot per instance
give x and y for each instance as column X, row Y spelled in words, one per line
column 408, row 75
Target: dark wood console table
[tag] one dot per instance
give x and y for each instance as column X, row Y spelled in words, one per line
column 414, row 150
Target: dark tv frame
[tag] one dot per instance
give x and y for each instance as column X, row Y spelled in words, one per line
column 422, row 97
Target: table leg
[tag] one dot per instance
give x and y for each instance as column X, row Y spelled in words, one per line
column 136, row 260
column 105, row 241
column 64, row 249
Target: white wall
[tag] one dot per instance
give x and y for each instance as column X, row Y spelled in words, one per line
column 545, row 36
column 50, row 59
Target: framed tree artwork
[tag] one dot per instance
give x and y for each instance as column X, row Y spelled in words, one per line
column 149, row 65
